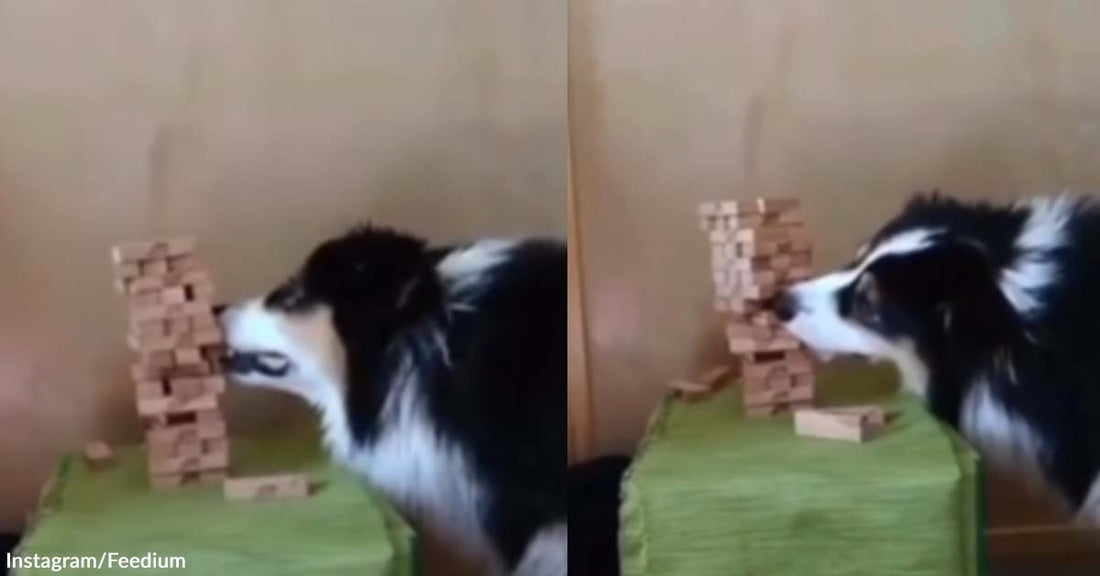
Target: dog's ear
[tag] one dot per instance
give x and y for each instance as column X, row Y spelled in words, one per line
column 377, row 271
column 970, row 299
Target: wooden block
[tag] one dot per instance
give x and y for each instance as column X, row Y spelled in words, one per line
column 153, row 267
column 149, row 389
column 98, row 455
column 180, row 463
column 188, row 356
column 875, row 416
column 737, row 305
column 145, row 372
column 172, row 435
column 136, row 251
column 194, row 370
column 831, row 425
column 147, row 312
column 178, row 326
column 749, row 263
column 778, row 395
column 789, row 218
column 174, row 295
column 181, row 263
column 739, row 330
column 169, row 405
column 773, row 205
column 186, row 388
column 143, row 300
column 267, row 487
column 749, row 345
column 201, row 338
column 144, row 284
column 766, row 319
column 202, row 292
column 731, row 222
column 782, row 234
column 150, row 329
column 713, row 375
column 214, row 384
column 690, row 391
column 148, row 343
column 190, row 448
column 205, row 322
column 203, row 417
column 188, row 277
column 727, row 208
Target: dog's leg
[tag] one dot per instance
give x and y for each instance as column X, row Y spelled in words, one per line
column 547, row 554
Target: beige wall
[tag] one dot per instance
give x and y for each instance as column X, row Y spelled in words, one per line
column 848, row 105
column 261, row 126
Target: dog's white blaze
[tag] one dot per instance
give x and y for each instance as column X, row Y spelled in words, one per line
column 1001, row 436
column 1034, row 267
column 548, row 553
column 463, row 269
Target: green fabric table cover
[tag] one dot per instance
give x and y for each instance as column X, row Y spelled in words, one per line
column 342, row 529
column 712, row 493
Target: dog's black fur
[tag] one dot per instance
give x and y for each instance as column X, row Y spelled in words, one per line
column 490, row 357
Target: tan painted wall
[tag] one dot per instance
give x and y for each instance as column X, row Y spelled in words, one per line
column 262, row 126
column 849, row 105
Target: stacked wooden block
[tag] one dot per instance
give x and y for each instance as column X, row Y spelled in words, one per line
column 178, row 347
column 759, row 247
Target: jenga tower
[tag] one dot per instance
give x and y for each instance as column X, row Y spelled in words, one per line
column 758, row 248
column 177, row 371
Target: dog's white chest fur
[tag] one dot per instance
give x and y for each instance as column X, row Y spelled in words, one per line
column 425, row 476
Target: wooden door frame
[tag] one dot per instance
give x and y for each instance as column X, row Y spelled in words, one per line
column 580, row 395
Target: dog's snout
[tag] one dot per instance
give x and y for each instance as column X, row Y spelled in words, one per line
column 786, row 306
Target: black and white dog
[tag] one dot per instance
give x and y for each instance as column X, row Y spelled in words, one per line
column 992, row 316
column 440, row 377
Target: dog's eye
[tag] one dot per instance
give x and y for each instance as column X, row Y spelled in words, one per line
column 865, row 300
column 863, row 309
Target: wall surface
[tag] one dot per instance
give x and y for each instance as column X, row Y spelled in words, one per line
column 262, row 127
column 848, row 105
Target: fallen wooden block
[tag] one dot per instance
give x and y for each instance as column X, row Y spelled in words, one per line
column 280, row 486
column 855, row 424
column 876, row 415
column 98, row 455
column 702, row 386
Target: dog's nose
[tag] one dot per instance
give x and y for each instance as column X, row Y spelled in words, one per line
column 786, row 306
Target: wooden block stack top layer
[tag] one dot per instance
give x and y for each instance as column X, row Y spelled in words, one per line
column 758, row 248
column 177, row 372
